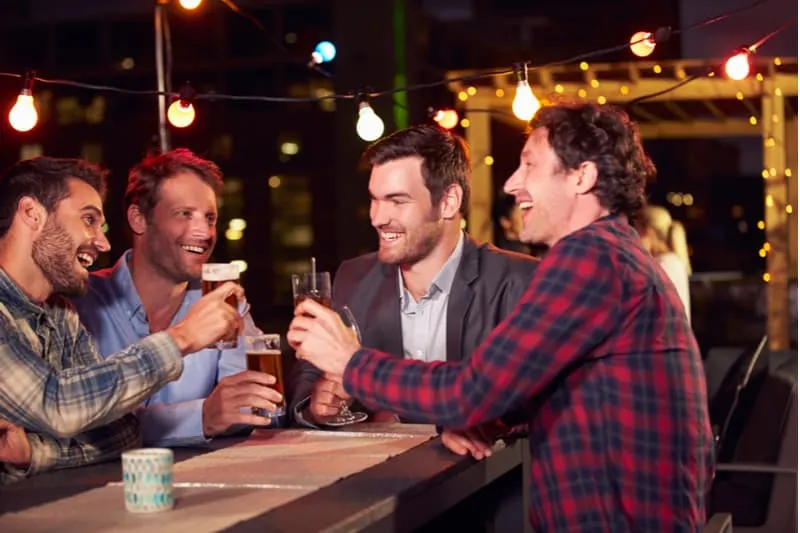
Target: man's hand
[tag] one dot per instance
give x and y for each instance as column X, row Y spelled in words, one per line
column 14, row 446
column 327, row 398
column 247, row 389
column 477, row 441
column 319, row 336
column 209, row 320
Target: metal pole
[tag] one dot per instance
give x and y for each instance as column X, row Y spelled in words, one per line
column 163, row 132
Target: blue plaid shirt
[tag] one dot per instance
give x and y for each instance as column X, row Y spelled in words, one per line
column 72, row 404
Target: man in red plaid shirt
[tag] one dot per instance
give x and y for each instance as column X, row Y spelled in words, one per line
column 598, row 352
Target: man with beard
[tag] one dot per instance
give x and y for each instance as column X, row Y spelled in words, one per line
column 599, row 349
column 430, row 293
column 171, row 208
column 61, row 404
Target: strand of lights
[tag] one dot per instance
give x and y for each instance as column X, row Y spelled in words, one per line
column 181, row 112
column 525, row 100
column 23, row 116
column 525, row 103
column 369, row 125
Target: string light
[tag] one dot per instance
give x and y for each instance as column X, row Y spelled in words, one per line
column 23, row 116
column 181, row 112
column 446, row 118
column 737, row 67
column 190, row 4
column 369, row 125
column 525, row 103
column 642, row 43
column 524, row 99
column 324, row 52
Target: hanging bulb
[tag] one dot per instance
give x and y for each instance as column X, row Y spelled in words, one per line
column 642, row 43
column 190, row 4
column 23, row 116
column 324, row 52
column 737, row 67
column 181, row 112
column 446, row 118
column 525, row 103
column 369, row 125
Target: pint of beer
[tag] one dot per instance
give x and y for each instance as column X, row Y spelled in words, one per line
column 214, row 275
column 264, row 355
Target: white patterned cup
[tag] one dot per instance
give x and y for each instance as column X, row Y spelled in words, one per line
column 147, row 479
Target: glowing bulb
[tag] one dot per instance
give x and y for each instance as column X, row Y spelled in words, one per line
column 525, row 103
column 180, row 114
column 642, row 43
column 325, row 51
column 190, row 4
column 23, row 115
column 369, row 125
column 446, row 118
column 737, row 67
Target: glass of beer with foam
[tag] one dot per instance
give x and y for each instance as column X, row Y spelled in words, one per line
column 214, row 275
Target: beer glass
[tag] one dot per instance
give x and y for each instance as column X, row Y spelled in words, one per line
column 264, row 355
column 214, row 275
column 317, row 286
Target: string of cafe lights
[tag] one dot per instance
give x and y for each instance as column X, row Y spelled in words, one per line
column 369, row 126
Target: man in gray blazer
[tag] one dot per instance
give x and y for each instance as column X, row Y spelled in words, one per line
column 429, row 292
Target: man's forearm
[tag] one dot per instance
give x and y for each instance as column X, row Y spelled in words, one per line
column 94, row 446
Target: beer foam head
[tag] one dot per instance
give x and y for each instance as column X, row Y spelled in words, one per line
column 220, row 271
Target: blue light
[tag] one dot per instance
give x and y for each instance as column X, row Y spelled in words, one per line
column 326, row 51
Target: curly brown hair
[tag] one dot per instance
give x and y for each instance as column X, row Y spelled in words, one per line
column 607, row 137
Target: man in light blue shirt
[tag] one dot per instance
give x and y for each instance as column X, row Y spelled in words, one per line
column 171, row 208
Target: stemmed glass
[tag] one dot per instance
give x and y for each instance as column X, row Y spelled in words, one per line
column 346, row 416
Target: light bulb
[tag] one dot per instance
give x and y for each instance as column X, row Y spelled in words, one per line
column 642, row 43
column 23, row 115
column 446, row 118
column 190, row 4
column 369, row 125
column 325, row 51
column 180, row 114
column 525, row 103
column 737, row 67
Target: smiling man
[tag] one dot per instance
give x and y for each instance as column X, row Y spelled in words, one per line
column 171, row 207
column 599, row 350
column 61, row 404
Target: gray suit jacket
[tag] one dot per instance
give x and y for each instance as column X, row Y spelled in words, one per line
column 487, row 286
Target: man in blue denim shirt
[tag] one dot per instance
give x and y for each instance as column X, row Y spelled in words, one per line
column 171, row 209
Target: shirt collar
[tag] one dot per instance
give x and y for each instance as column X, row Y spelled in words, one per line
column 443, row 281
column 13, row 296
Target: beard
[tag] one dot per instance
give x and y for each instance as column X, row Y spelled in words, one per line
column 417, row 243
column 55, row 254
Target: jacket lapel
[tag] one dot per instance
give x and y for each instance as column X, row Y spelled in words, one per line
column 460, row 299
column 384, row 313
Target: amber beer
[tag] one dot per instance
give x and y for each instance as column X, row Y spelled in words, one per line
column 319, row 298
column 264, row 355
column 214, row 275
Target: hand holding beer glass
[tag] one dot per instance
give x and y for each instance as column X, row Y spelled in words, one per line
column 214, row 275
column 264, row 355
column 317, row 286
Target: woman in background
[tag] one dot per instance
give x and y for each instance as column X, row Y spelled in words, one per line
column 665, row 239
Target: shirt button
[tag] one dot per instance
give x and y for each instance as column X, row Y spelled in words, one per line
column 420, row 355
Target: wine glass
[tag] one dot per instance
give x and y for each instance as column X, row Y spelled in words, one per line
column 346, row 416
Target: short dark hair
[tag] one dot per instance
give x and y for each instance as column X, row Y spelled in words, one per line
column 445, row 158
column 145, row 179
column 45, row 179
column 607, row 137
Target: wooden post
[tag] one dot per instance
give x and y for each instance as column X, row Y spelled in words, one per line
column 479, row 137
column 776, row 199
